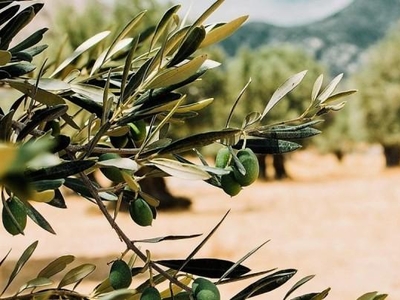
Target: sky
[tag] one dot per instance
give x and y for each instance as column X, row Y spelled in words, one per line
column 277, row 12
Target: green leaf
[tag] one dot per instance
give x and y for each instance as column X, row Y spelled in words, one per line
column 222, row 32
column 177, row 74
column 162, row 26
column 118, row 44
column 50, row 84
column 120, row 294
column 340, row 95
column 266, row 284
column 369, row 296
column 298, row 284
column 8, row 13
column 199, row 140
column 81, row 49
column 286, row 133
column 56, row 266
column 30, row 41
column 268, row 146
column 322, row 295
column 330, row 88
column 38, row 218
column 6, row 126
column 180, row 170
column 48, row 184
column 317, row 87
column 35, row 283
column 234, row 266
column 91, row 92
column 62, row 170
column 20, row 264
column 77, row 274
column 167, row 238
column 191, row 43
column 121, row 163
column 38, row 94
column 283, row 90
column 16, row 70
column 5, row 257
column 206, row 267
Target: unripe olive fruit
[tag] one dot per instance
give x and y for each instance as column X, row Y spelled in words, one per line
column 222, row 158
column 112, row 173
column 230, row 185
column 150, row 293
column 138, row 130
column 120, row 275
column 19, row 213
column 204, row 289
column 141, row 212
column 119, row 141
column 250, row 163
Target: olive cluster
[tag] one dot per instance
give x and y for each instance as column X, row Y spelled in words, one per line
column 237, row 178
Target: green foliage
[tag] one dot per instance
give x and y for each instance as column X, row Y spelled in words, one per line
column 379, row 91
column 63, row 129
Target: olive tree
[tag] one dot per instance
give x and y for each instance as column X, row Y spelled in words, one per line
column 378, row 100
column 113, row 114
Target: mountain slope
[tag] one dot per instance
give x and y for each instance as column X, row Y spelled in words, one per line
column 338, row 41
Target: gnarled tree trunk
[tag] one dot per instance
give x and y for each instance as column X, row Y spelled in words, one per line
column 392, row 155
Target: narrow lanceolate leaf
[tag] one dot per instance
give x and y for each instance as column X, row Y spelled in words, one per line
column 317, row 87
column 322, row 295
column 330, row 88
column 6, row 126
column 56, row 266
column 48, row 184
column 178, row 74
column 266, row 284
column 199, row 140
column 121, row 163
column 268, row 146
column 38, row 218
column 5, row 257
column 339, row 95
column 298, row 284
column 91, row 92
column 283, row 90
column 167, row 238
column 287, row 134
column 31, row 41
column 180, row 170
column 373, row 296
column 35, row 283
column 75, row 275
column 208, row 12
column 38, row 94
column 206, row 267
column 196, row 106
column 189, row 46
column 62, row 170
column 164, row 23
column 26, row 255
column 81, row 49
column 222, row 32
column 118, row 44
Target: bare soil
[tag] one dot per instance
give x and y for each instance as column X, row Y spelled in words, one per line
column 336, row 220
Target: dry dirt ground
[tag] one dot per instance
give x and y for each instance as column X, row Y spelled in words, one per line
column 338, row 221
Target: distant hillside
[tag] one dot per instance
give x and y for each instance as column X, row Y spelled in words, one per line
column 338, row 41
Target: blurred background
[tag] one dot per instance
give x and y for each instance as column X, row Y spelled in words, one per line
column 331, row 209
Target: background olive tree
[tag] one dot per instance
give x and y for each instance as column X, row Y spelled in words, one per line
column 112, row 112
column 378, row 100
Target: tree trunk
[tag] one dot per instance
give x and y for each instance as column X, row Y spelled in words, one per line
column 263, row 167
column 392, row 155
column 279, row 166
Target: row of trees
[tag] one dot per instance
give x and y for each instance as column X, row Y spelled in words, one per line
column 268, row 67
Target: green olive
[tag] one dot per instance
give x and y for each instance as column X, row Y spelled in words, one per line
column 18, row 211
column 119, row 141
column 150, row 293
column 222, row 158
column 120, row 275
column 230, row 185
column 250, row 163
column 140, row 212
column 138, row 130
column 204, row 289
column 112, row 173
